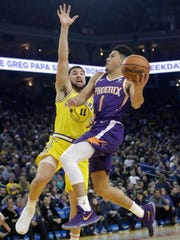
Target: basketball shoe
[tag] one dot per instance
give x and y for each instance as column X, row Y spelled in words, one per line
column 81, row 219
column 22, row 224
column 149, row 217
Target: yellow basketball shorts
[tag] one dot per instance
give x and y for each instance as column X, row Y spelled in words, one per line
column 55, row 147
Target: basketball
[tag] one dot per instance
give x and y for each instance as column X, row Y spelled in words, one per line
column 134, row 65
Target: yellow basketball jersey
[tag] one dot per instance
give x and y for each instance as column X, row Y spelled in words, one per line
column 73, row 123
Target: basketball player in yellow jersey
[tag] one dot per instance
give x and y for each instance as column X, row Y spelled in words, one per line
column 68, row 126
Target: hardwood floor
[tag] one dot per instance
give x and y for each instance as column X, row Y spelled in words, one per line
column 161, row 233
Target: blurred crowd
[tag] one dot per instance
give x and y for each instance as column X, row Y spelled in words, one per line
column 146, row 167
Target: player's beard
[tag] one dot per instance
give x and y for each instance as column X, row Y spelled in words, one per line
column 78, row 88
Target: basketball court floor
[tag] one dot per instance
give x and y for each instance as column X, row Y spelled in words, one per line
column 161, row 233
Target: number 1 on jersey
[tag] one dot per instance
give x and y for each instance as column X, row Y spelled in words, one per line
column 101, row 102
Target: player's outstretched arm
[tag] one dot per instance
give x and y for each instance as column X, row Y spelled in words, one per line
column 86, row 93
column 62, row 82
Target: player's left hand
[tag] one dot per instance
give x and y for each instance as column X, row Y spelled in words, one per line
column 140, row 80
column 64, row 15
column 71, row 103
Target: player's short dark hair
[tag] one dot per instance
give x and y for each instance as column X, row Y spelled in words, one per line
column 124, row 50
column 70, row 69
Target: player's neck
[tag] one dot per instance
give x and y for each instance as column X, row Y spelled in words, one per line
column 114, row 75
column 78, row 90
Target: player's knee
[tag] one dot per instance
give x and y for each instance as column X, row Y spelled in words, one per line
column 42, row 179
column 66, row 158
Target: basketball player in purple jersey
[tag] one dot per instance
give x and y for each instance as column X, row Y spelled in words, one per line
column 112, row 92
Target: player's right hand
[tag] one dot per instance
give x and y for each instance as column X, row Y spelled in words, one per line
column 140, row 80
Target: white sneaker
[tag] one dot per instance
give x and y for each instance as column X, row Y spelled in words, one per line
column 22, row 224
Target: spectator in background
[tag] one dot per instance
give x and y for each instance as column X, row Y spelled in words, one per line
column 129, row 163
column 125, row 172
column 24, row 184
column 130, row 189
column 16, row 169
column 12, row 187
column 115, row 174
column 48, row 193
column 146, row 196
column 151, row 188
column 161, row 205
column 175, row 196
column 55, row 196
column 95, row 204
column 145, row 180
column 140, row 199
column 49, row 213
column 170, row 212
column 162, row 183
column 20, row 203
column 64, row 201
column 133, row 178
column 4, row 173
column 3, row 195
column 31, row 174
column 60, row 182
column 110, row 214
column 175, row 167
column 11, row 215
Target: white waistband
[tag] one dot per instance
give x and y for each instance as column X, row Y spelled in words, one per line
column 61, row 136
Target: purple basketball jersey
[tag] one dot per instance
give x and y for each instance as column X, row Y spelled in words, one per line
column 106, row 135
column 110, row 98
